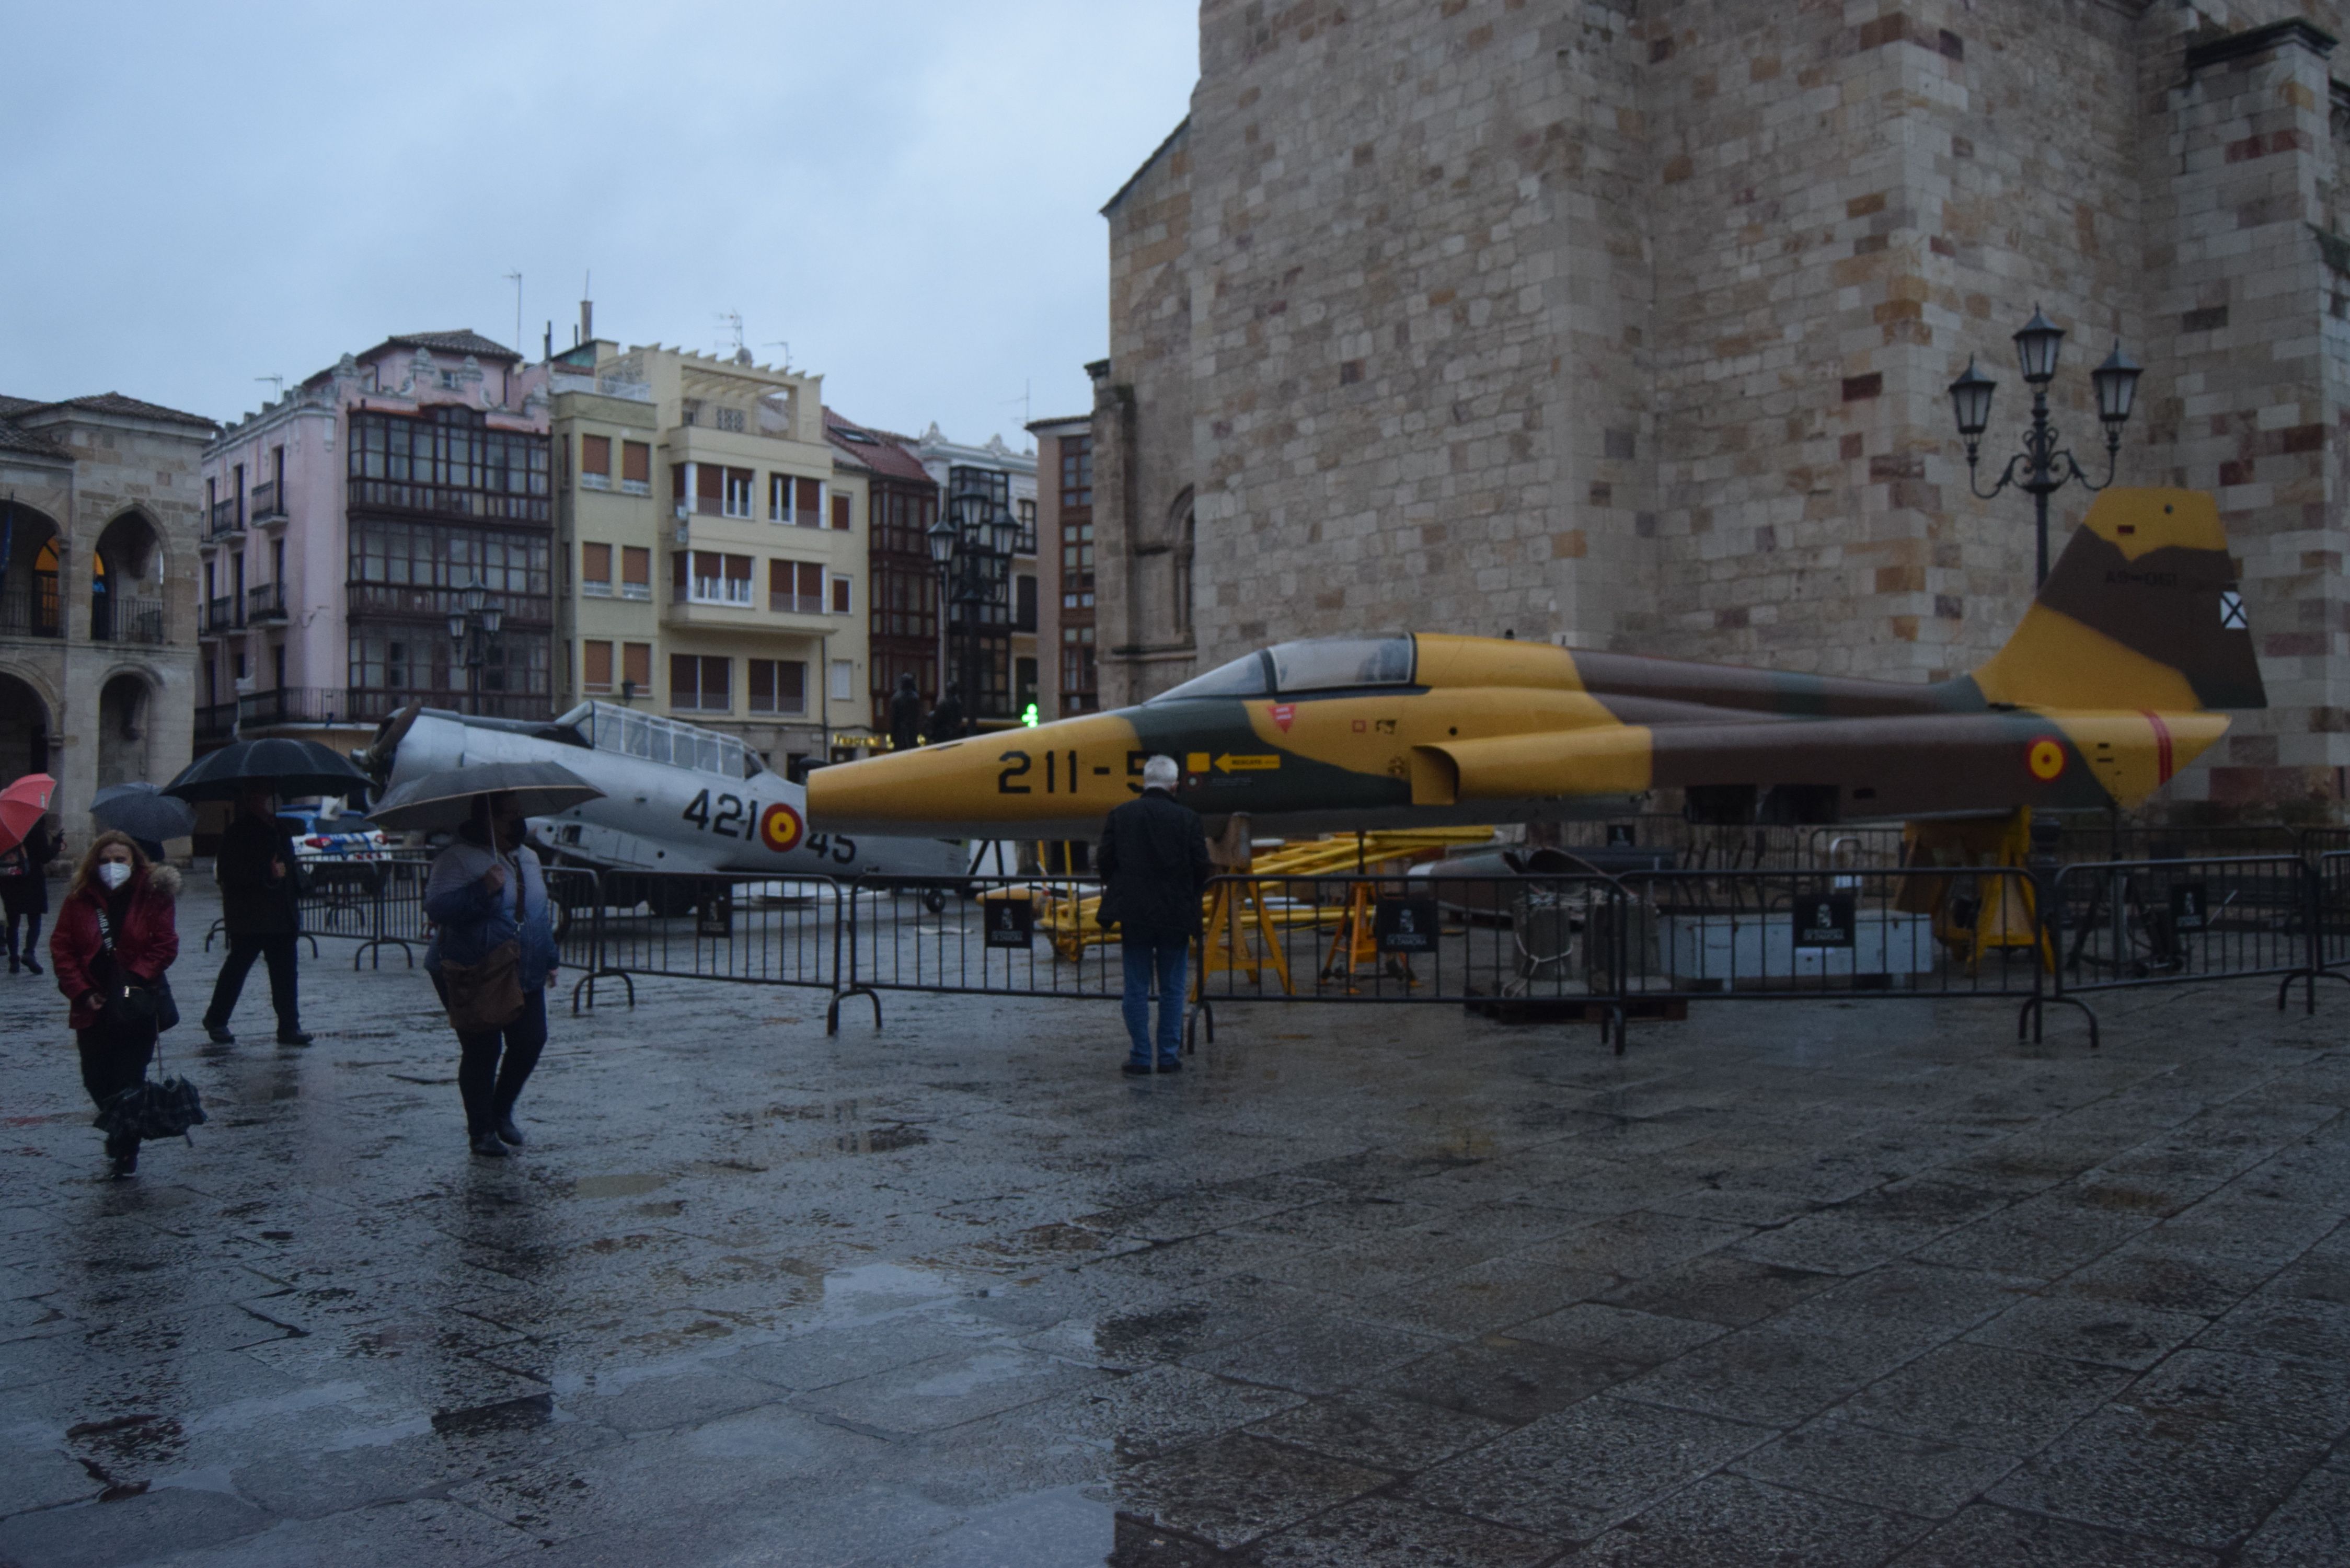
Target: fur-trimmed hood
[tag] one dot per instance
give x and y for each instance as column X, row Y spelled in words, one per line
column 164, row 879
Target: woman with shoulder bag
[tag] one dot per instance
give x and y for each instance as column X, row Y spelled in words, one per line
column 492, row 959
column 115, row 942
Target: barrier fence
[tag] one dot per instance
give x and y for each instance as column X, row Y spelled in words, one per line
column 1580, row 945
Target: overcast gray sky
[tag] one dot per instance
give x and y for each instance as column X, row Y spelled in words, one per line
column 907, row 191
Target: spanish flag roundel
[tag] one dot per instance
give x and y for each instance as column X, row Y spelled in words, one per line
column 780, row 828
column 2045, row 758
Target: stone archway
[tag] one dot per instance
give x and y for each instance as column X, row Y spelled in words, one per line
column 126, row 582
column 30, row 605
column 125, row 707
column 24, row 730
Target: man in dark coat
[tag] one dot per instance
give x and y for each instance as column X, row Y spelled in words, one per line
column 1154, row 869
column 905, row 716
column 946, row 719
column 258, row 906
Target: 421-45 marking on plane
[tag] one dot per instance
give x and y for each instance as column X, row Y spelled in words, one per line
column 778, row 827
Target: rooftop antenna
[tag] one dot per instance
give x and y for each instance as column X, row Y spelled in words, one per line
column 784, row 344
column 277, row 384
column 515, row 277
column 1023, row 400
column 733, row 321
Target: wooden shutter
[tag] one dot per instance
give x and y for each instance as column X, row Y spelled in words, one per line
column 714, row 684
column 810, row 511
column 595, row 565
column 685, row 681
column 637, row 664
column 840, row 513
column 791, row 687
column 596, row 672
column 761, row 683
column 636, row 460
column 708, row 479
column 680, row 570
column 738, row 568
column 637, row 565
column 841, row 595
column 596, row 454
column 811, row 588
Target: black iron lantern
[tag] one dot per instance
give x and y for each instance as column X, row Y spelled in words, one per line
column 2035, row 349
column 942, row 535
column 2116, row 384
column 1004, row 534
column 1970, row 402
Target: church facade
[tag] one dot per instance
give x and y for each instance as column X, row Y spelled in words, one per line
column 1629, row 326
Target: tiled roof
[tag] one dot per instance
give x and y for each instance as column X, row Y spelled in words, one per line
column 131, row 407
column 464, row 340
column 27, row 442
column 880, row 452
column 9, row 405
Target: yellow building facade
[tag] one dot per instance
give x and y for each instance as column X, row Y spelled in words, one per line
column 714, row 553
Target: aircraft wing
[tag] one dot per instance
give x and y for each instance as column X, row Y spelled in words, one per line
column 1907, row 765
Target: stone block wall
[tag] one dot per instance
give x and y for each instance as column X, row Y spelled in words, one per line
column 1630, row 326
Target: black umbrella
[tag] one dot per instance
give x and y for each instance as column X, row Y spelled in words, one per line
column 445, row 799
column 142, row 811
column 285, row 767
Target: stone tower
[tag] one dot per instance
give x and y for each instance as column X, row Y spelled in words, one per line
column 1628, row 325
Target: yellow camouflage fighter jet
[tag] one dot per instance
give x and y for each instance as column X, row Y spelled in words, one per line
column 2105, row 691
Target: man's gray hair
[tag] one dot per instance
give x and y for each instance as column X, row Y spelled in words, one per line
column 1160, row 773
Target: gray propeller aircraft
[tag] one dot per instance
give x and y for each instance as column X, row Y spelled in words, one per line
column 677, row 797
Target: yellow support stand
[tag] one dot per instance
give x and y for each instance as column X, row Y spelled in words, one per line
column 2008, row 919
column 1226, row 945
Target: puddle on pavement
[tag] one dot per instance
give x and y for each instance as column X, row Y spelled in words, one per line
column 884, row 1139
column 631, row 1186
column 504, row 1416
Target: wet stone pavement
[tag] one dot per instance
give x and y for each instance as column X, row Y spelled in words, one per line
column 1810, row 1284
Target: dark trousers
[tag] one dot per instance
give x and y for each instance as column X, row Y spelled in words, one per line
column 31, row 948
column 279, row 949
column 113, row 1062
column 497, row 1063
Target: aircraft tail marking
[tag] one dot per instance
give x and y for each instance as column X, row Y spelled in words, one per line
column 2141, row 611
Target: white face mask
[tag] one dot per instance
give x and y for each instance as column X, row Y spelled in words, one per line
column 113, row 873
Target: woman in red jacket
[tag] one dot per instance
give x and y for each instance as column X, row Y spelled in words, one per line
column 116, row 901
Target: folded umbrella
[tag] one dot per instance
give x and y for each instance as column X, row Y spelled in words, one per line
column 287, row 767
column 20, row 806
column 142, row 811
column 445, row 799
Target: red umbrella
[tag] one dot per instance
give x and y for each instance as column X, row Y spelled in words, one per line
column 20, row 806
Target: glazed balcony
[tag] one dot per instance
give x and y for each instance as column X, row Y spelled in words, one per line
column 446, row 501
column 222, row 615
column 264, row 603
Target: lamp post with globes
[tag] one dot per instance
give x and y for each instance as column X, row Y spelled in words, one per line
column 2044, row 469
column 470, row 630
column 972, row 544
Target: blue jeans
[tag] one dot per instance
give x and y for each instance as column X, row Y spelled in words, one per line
column 1171, row 965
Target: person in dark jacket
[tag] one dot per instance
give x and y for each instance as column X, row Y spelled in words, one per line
column 116, row 924
column 1154, row 867
column 946, row 719
column 258, row 907
column 24, row 892
column 905, row 716
column 485, row 890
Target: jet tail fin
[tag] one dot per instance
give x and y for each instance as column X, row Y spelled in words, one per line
column 2141, row 611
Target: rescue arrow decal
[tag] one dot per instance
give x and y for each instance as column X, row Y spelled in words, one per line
column 1231, row 764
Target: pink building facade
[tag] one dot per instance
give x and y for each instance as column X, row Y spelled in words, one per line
column 345, row 525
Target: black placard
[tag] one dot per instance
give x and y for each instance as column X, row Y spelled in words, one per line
column 714, row 914
column 1824, row 920
column 2191, row 909
column 1011, row 922
column 1622, row 832
column 1405, row 925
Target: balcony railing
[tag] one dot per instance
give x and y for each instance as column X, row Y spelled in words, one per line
column 221, row 615
column 446, row 501
column 32, row 611
column 227, row 519
column 795, row 603
column 372, row 705
column 410, row 603
column 216, row 723
column 265, row 602
column 115, row 619
column 588, row 481
column 265, row 506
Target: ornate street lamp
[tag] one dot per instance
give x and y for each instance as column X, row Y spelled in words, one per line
column 470, row 629
column 2045, row 468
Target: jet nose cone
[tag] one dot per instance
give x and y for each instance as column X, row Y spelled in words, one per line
column 896, row 789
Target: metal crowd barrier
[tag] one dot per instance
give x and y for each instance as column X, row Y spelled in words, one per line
column 995, row 935
column 754, row 930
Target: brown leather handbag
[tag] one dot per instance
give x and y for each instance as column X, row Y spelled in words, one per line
column 486, row 995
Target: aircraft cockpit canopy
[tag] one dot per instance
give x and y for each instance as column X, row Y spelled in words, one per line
column 1320, row 664
column 629, row 733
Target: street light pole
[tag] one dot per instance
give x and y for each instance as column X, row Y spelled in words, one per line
column 471, row 626
column 2044, row 469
